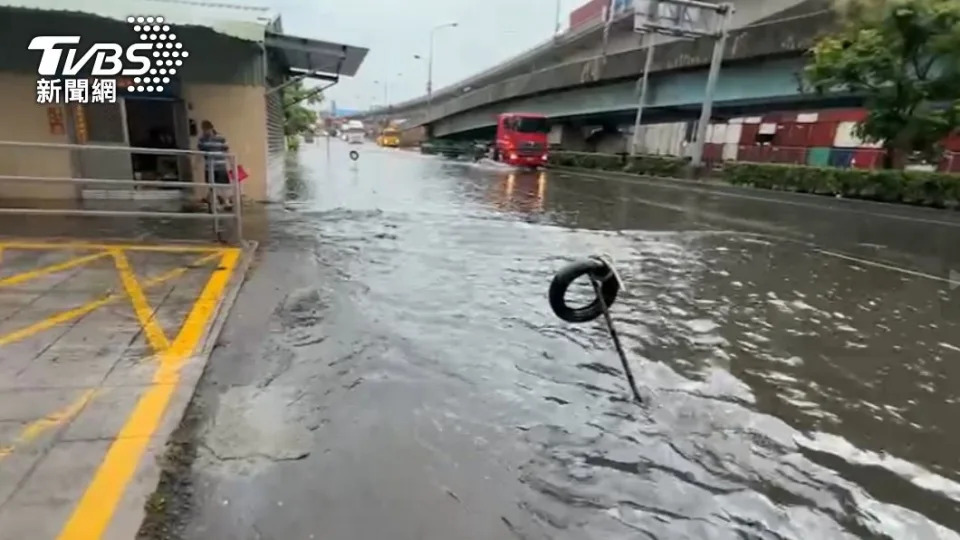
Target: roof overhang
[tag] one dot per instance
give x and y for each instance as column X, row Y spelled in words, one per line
column 314, row 58
column 242, row 22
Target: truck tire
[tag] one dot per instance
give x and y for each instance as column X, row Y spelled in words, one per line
column 496, row 154
column 596, row 269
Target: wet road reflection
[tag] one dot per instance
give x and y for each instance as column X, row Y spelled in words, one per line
column 791, row 392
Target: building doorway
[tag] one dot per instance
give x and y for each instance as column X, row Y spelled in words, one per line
column 158, row 123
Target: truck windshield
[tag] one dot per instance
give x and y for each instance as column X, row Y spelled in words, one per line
column 531, row 125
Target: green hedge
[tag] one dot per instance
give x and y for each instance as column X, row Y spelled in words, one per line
column 894, row 186
column 909, row 187
column 645, row 165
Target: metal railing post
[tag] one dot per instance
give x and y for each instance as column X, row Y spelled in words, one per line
column 212, row 194
column 237, row 201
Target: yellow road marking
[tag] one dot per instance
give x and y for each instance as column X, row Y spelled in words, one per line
column 126, row 247
column 148, row 321
column 69, row 315
column 35, row 428
column 95, row 509
column 51, row 269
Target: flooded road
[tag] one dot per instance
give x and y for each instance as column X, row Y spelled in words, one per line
column 391, row 368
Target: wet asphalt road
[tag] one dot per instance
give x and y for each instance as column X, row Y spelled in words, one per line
column 392, row 370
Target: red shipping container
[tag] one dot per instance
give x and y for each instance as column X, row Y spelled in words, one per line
column 791, row 135
column 782, row 135
column 748, row 134
column 777, row 117
column 592, row 11
column 867, row 158
column 713, row 152
column 800, row 135
column 843, row 115
column 950, row 163
column 754, row 153
column 822, row 134
column 952, row 143
column 794, row 155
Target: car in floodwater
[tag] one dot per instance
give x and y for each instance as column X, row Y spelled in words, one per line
column 354, row 132
column 389, row 138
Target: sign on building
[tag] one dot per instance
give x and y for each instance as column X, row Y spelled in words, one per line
column 71, row 75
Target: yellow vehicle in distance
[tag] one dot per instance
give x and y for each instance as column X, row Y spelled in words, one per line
column 389, row 137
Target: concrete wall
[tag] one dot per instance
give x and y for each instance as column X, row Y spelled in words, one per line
column 26, row 121
column 23, row 120
column 239, row 113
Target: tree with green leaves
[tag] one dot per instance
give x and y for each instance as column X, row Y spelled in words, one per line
column 299, row 117
column 903, row 57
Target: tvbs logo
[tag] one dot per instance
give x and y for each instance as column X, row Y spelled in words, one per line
column 108, row 58
column 156, row 56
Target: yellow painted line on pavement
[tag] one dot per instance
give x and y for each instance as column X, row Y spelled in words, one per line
column 93, row 513
column 148, row 321
column 69, row 315
column 35, row 428
column 51, row 269
column 171, row 248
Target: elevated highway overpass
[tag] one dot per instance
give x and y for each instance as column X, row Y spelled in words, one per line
column 575, row 79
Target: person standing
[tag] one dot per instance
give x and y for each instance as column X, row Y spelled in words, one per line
column 215, row 166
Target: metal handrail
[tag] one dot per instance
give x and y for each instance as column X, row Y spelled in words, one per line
column 213, row 188
column 110, row 213
column 128, row 149
column 106, row 181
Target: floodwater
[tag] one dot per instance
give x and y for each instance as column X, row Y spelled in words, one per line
column 392, row 370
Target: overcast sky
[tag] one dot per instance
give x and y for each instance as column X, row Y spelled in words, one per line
column 489, row 31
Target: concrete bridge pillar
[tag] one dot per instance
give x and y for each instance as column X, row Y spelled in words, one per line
column 609, row 139
column 569, row 136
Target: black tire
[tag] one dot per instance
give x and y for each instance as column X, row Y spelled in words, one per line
column 354, row 155
column 567, row 275
column 496, row 154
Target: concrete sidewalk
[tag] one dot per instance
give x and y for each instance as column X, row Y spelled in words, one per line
column 101, row 347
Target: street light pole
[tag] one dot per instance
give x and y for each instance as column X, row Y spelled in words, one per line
column 433, row 32
column 556, row 26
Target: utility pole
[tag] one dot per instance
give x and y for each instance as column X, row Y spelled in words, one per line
column 642, row 100
column 706, row 112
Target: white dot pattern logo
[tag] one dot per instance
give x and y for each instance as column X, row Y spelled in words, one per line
column 153, row 31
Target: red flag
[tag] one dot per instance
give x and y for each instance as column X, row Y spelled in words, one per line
column 241, row 172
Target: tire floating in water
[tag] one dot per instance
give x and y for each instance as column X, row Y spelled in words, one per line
column 596, row 269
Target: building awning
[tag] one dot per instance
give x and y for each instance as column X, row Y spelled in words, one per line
column 311, row 56
column 243, row 22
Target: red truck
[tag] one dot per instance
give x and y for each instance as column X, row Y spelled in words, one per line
column 521, row 139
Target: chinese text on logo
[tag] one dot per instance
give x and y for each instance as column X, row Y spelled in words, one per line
column 151, row 61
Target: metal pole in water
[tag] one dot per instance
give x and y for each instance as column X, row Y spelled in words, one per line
column 616, row 340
